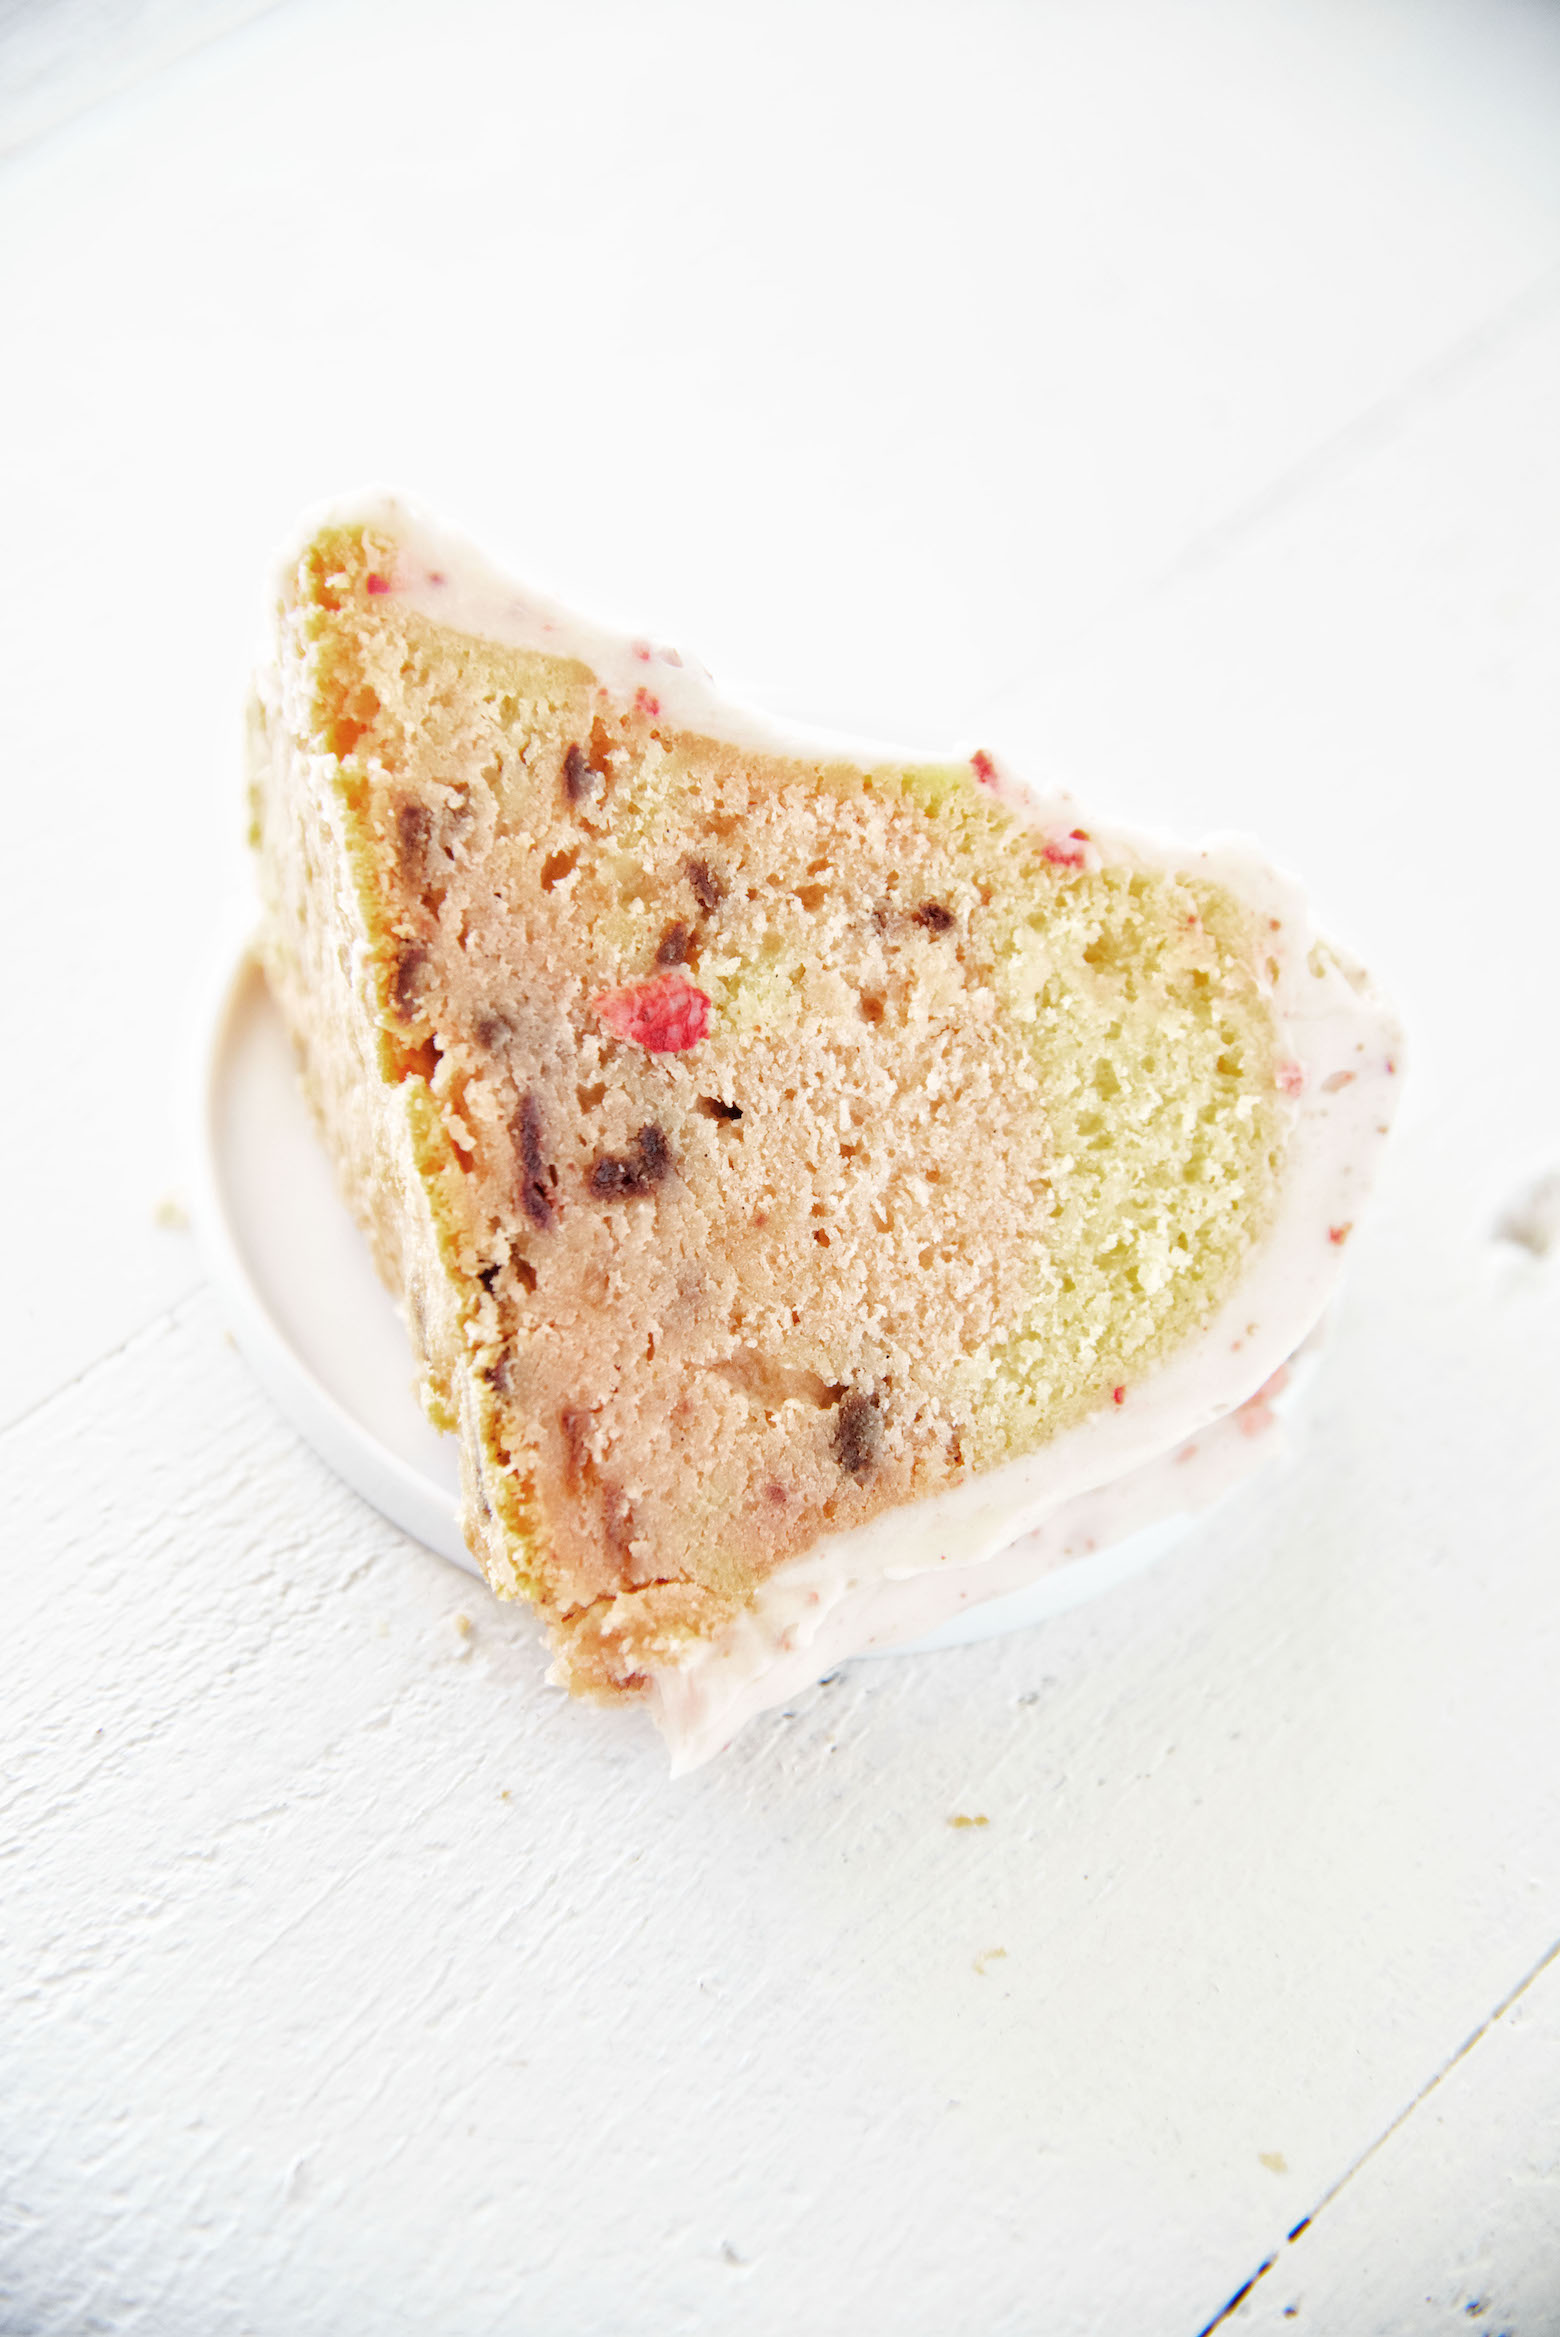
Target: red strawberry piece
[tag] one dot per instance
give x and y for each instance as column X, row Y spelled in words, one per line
column 666, row 1016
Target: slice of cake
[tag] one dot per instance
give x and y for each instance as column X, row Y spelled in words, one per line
column 822, row 1189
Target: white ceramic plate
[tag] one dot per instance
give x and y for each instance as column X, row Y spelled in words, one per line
column 299, row 1289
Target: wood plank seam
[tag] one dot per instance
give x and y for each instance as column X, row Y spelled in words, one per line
column 1328, row 2196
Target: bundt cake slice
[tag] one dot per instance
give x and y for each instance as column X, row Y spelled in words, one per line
column 777, row 1152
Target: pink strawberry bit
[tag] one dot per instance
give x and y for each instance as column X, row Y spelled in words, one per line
column 1119, row 1395
column 641, row 650
column 1289, row 1078
column 1256, row 1414
column 666, row 1016
column 983, row 767
column 1066, row 854
column 1339, row 1234
column 378, row 583
column 645, row 704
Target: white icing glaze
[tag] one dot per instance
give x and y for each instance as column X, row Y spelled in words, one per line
column 1126, row 1466
column 819, row 1609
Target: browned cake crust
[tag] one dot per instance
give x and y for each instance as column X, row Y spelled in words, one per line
column 755, row 1142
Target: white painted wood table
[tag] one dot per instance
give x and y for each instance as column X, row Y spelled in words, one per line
column 1167, row 395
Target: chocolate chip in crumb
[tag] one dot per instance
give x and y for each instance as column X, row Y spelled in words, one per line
column 525, row 1131
column 615, row 1177
column 934, row 918
column 491, row 1032
column 489, row 1274
column 413, row 830
column 676, row 945
column 612, row 1178
column 708, row 890
column 579, row 780
column 858, row 1434
column 410, row 960
column 654, row 1152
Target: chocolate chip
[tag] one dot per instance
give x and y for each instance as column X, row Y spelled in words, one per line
column 410, row 960
column 578, row 778
column 614, row 1177
column 525, row 1133
column 675, row 946
column 654, row 1152
column 413, row 828
column 708, row 890
column 491, row 1032
column 488, row 1275
column 858, row 1434
column 934, row 917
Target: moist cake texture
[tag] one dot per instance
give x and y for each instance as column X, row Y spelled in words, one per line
column 760, row 1141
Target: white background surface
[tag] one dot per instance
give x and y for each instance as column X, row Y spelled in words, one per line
column 1169, row 395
